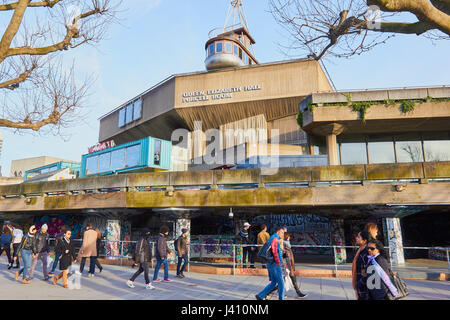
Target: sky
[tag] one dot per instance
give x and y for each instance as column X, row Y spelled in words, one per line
column 158, row 38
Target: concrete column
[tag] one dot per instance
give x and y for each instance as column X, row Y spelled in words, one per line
column 394, row 240
column 112, row 239
column 338, row 239
column 181, row 224
column 331, row 131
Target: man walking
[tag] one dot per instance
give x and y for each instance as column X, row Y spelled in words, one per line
column 143, row 257
column 248, row 248
column 262, row 238
column 42, row 252
column 181, row 249
column 162, row 250
column 89, row 249
column 274, row 268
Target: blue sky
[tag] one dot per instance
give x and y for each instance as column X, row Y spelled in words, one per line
column 158, row 38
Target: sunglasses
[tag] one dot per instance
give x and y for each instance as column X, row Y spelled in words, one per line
column 371, row 248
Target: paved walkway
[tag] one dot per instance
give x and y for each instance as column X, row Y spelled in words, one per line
column 111, row 284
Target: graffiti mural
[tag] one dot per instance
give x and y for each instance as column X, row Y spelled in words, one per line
column 394, row 234
column 338, row 239
column 212, row 246
column 112, row 238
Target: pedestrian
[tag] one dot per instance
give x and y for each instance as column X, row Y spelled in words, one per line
column 380, row 283
column 42, row 251
column 359, row 276
column 290, row 264
column 248, row 248
column 89, row 249
column 262, row 238
column 66, row 250
column 17, row 239
column 27, row 250
column 99, row 246
column 182, row 252
column 143, row 258
column 162, row 250
column 372, row 228
column 58, row 238
column 274, row 266
column 5, row 244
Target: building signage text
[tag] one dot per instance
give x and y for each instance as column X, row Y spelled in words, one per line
column 102, row 146
column 216, row 94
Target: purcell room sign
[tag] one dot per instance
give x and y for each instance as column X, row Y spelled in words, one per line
column 216, row 94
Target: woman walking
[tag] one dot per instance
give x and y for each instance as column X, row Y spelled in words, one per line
column 66, row 250
column 27, row 250
column 290, row 264
column 378, row 269
column 359, row 276
column 17, row 239
column 5, row 244
column 143, row 257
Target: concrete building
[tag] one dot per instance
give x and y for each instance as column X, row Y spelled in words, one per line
column 20, row 166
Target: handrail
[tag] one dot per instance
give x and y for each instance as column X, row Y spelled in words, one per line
column 402, row 173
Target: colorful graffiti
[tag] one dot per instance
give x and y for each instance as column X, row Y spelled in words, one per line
column 112, row 239
column 395, row 241
column 212, row 246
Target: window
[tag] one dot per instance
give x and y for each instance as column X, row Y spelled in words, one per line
column 118, row 159
column 381, row 149
column 211, row 49
column 129, row 112
column 245, row 58
column 137, row 110
column 133, row 156
column 121, row 117
column 240, row 53
column 104, row 162
column 228, row 47
column 92, row 165
column 437, row 146
column 157, row 153
column 219, row 47
column 353, row 150
column 409, row 148
column 235, row 50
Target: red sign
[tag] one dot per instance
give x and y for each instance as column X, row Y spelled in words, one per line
column 102, row 146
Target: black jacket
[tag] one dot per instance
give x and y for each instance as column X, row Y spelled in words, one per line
column 66, row 258
column 361, row 281
column 161, row 247
column 28, row 243
column 42, row 242
column 244, row 237
column 143, row 251
column 379, row 293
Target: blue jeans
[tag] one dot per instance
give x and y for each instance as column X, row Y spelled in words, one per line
column 166, row 269
column 55, row 263
column 276, row 274
column 27, row 258
column 92, row 261
column 180, row 260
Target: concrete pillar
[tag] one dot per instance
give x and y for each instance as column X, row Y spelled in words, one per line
column 112, row 239
column 181, row 224
column 394, row 240
column 338, row 239
column 331, row 131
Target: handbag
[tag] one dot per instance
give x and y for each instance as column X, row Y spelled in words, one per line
column 288, row 285
column 401, row 287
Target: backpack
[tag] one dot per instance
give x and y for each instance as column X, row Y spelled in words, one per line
column 266, row 253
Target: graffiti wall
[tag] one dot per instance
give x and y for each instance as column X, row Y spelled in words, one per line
column 338, row 239
column 394, row 235
column 112, row 239
column 212, row 246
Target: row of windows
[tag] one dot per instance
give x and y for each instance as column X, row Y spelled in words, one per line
column 402, row 148
column 41, row 171
column 229, row 47
column 130, row 112
column 114, row 160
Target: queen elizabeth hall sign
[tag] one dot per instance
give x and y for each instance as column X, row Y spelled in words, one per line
column 216, row 94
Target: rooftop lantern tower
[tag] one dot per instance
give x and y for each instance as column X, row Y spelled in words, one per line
column 230, row 46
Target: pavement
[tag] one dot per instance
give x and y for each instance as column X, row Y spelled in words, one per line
column 111, row 285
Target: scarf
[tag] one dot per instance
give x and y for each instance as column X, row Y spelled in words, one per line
column 383, row 275
column 288, row 243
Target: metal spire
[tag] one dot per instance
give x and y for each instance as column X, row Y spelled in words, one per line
column 236, row 10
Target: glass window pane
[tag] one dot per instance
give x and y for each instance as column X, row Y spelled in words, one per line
column 240, row 53
column 104, row 162
column 235, row 50
column 118, row 159
column 122, row 117
column 409, row 148
column 157, row 153
column 91, row 165
column 228, row 47
column 437, row 146
column 381, row 152
column 137, row 111
column 129, row 110
column 211, row 49
column 133, row 156
column 219, row 47
column 353, row 149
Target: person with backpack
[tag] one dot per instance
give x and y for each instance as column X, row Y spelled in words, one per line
column 66, row 250
column 27, row 250
column 143, row 257
column 58, row 238
column 272, row 253
column 162, row 250
column 182, row 252
column 42, row 252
